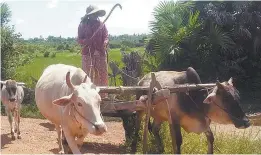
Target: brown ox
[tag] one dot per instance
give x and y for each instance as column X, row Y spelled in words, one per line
column 194, row 111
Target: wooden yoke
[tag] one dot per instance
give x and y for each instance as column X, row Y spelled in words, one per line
column 148, row 105
column 172, row 131
column 161, row 94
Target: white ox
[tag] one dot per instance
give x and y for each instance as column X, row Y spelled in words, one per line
column 12, row 95
column 72, row 103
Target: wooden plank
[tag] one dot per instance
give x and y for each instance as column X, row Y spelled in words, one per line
column 138, row 105
column 124, row 105
column 134, row 89
column 148, row 105
column 172, row 131
column 117, row 113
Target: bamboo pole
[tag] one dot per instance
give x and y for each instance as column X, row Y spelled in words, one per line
column 172, row 130
column 134, row 89
column 148, row 105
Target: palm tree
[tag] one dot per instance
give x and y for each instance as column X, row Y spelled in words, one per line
column 173, row 23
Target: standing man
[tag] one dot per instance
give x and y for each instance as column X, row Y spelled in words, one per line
column 94, row 49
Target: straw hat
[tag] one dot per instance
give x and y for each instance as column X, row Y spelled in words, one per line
column 94, row 9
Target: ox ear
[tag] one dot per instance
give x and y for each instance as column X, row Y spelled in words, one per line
column 230, row 81
column 63, row 101
column 210, row 98
column 97, row 89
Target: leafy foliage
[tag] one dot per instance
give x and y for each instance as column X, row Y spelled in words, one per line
column 173, row 23
column 8, row 38
column 219, row 39
column 5, row 14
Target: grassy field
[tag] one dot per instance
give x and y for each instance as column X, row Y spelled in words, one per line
column 39, row 63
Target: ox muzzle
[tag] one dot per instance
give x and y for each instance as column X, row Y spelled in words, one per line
column 241, row 123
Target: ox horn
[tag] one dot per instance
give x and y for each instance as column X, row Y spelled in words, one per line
column 68, row 80
column 20, row 83
column 230, row 81
column 85, row 78
column 3, row 82
column 219, row 85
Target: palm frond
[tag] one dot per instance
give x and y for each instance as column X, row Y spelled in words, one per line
column 220, row 38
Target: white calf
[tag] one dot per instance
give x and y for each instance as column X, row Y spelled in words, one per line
column 12, row 96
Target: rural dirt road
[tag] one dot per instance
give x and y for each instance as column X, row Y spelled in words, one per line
column 40, row 137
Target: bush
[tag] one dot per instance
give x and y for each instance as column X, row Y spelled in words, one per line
column 60, row 47
column 125, row 48
column 31, row 111
column 8, row 40
column 53, row 54
column 72, row 49
column 114, row 45
column 27, row 111
column 46, row 54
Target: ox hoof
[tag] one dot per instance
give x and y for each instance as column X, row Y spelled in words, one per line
column 61, row 152
column 13, row 137
column 19, row 137
column 70, row 152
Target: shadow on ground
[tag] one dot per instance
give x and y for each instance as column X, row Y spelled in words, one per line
column 97, row 148
column 48, row 125
column 5, row 139
column 92, row 147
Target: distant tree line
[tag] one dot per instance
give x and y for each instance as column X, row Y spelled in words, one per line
column 65, row 43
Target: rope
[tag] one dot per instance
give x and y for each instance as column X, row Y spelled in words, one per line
column 166, row 100
column 215, row 104
column 95, row 69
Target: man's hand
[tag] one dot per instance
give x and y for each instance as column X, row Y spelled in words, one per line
column 105, row 45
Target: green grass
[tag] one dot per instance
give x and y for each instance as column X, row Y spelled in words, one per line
column 39, row 63
column 31, row 111
column 225, row 143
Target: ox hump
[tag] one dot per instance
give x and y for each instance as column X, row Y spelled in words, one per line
column 192, row 76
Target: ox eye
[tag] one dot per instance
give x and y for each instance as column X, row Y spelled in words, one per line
column 79, row 104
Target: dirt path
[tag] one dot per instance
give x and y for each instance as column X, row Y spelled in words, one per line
column 40, row 137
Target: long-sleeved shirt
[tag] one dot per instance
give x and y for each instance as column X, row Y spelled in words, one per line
column 85, row 32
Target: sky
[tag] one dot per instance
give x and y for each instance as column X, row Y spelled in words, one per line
column 33, row 18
